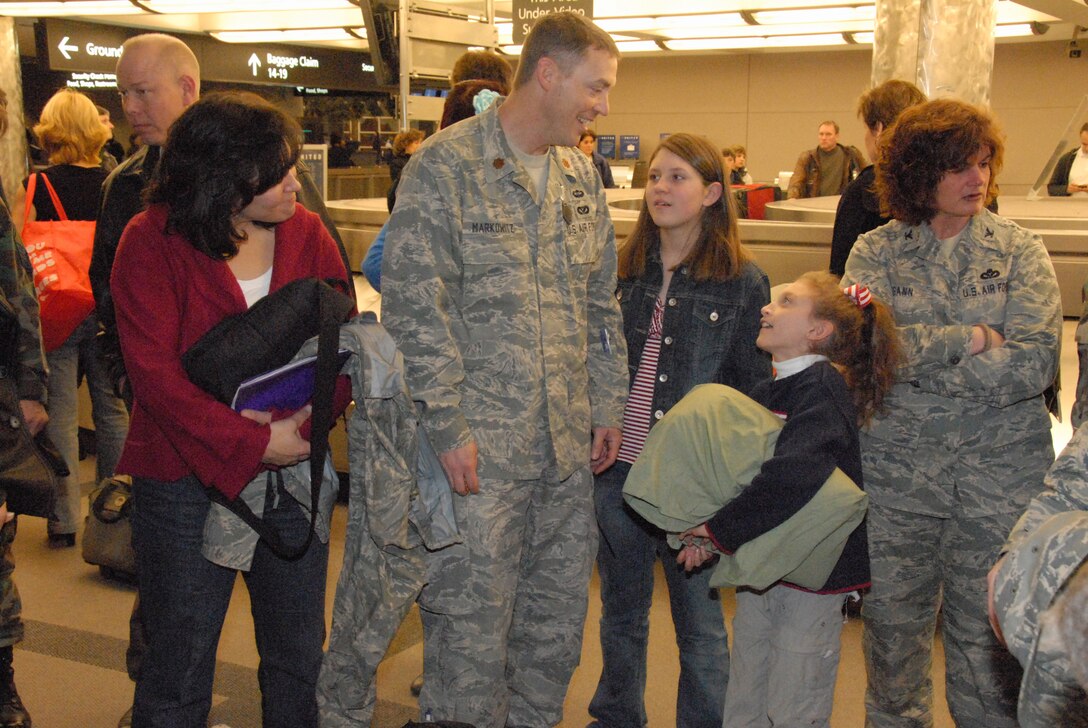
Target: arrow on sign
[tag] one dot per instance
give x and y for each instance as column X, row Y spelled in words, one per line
column 254, row 62
column 63, row 47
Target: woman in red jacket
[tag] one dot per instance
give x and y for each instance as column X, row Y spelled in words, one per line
column 221, row 231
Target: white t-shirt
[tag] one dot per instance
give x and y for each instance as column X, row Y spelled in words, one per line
column 537, row 167
column 1078, row 173
column 256, row 288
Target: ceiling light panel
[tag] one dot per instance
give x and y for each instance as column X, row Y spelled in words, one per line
column 1010, row 12
column 82, row 7
column 300, row 35
column 619, row 25
column 715, row 44
column 627, row 8
column 638, row 46
column 803, row 41
column 278, row 20
column 815, row 15
column 1013, row 30
column 855, row 26
column 244, row 6
column 750, row 43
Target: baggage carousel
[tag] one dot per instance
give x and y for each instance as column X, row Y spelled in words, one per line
column 796, row 236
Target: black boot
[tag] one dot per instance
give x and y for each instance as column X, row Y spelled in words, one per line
column 12, row 712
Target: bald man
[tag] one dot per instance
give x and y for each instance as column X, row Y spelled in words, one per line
column 157, row 77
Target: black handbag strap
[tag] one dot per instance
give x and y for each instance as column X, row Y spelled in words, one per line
column 327, row 368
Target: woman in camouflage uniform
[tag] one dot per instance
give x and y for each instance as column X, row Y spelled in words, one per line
column 965, row 440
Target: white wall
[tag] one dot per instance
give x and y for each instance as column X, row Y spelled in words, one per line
column 773, row 102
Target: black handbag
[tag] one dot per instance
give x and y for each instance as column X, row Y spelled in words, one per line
column 107, row 531
column 262, row 338
column 29, row 465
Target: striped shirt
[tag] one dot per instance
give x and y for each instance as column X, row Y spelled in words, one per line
column 637, row 413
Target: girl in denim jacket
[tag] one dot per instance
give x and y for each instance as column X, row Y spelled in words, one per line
column 690, row 296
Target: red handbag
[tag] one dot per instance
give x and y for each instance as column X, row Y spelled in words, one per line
column 60, row 253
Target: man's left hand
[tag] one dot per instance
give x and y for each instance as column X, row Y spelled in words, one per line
column 34, row 415
column 606, row 446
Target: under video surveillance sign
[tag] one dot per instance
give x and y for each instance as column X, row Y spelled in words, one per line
column 527, row 12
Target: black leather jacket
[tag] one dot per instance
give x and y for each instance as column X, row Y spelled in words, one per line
column 709, row 330
column 1058, row 186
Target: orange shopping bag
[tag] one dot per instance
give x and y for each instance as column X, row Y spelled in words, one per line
column 60, row 253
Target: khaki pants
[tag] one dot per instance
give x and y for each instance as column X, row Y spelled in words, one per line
column 784, row 660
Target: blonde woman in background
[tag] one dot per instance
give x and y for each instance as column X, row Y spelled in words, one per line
column 72, row 135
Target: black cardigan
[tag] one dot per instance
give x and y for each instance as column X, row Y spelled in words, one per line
column 1058, row 186
column 820, row 434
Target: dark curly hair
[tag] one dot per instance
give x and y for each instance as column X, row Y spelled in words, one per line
column 405, row 139
column 864, row 344
column 483, row 66
column 223, row 151
column 718, row 254
column 927, row 141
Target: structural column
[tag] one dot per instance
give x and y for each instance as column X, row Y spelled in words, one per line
column 945, row 47
column 12, row 144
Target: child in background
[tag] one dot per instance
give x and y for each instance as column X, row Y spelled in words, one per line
column 835, row 352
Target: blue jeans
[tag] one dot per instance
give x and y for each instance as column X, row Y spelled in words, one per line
column 184, row 598
column 625, row 561
column 80, row 351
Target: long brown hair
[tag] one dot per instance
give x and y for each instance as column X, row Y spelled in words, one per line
column 864, row 343
column 718, row 253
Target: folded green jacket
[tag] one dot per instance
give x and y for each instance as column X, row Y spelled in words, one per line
column 701, row 454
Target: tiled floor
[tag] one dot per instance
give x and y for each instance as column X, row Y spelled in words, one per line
column 71, row 673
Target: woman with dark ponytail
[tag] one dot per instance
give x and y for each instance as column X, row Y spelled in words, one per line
column 835, row 354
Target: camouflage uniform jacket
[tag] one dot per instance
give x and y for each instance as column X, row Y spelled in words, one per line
column 17, row 283
column 950, row 412
column 1044, row 550
column 502, row 302
column 399, row 506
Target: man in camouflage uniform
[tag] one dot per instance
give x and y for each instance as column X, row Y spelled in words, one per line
column 1040, row 584
column 498, row 281
column 964, row 441
column 25, row 369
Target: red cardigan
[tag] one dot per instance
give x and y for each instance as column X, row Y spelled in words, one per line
column 167, row 295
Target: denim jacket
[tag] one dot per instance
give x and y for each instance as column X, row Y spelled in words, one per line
column 709, row 330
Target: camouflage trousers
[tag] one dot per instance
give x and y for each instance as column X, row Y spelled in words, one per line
column 1079, row 412
column 503, row 612
column 11, row 607
column 922, row 565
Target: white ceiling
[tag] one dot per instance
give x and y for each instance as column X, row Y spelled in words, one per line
column 639, row 26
